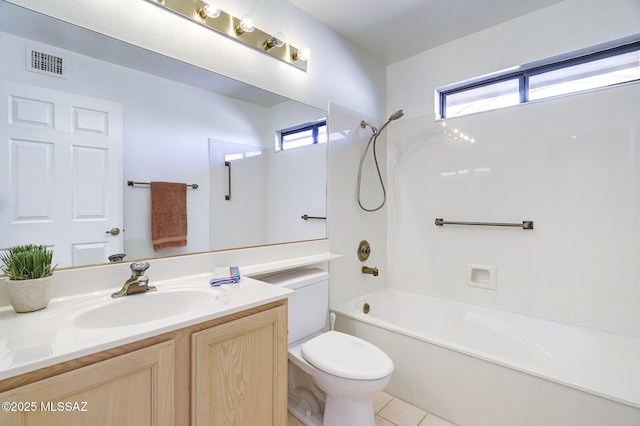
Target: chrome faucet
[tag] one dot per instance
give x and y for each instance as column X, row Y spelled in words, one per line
column 372, row 271
column 138, row 283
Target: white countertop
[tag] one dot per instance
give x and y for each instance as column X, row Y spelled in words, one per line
column 34, row 340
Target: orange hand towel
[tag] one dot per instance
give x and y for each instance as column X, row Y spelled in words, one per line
column 168, row 215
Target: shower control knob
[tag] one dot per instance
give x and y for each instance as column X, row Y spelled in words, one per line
column 364, row 250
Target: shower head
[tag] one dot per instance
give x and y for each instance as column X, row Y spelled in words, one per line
column 399, row 113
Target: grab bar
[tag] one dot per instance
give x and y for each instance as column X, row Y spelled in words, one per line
column 132, row 183
column 526, row 224
column 307, row 217
column 228, row 195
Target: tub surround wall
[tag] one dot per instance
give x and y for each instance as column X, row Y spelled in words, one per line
column 571, row 164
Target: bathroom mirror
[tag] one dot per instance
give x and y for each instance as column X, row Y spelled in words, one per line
column 179, row 123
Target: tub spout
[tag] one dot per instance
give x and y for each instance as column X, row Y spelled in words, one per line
column 372, row 271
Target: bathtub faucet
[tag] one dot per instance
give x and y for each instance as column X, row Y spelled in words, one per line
column 372, row 271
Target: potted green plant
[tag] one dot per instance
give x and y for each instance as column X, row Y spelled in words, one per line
column 29, row 270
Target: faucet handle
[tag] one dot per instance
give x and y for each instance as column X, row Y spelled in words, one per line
column 139, row 268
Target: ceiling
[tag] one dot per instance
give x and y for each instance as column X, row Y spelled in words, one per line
column 393, row 30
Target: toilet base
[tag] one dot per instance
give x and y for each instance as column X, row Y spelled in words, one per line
column 353, row 412
column 336, row 413
column 303, row 415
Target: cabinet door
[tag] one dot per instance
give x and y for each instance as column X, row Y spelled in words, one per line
column 131, row 389
column 239, row 371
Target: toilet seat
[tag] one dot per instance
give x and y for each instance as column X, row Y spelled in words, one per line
column 346, row 356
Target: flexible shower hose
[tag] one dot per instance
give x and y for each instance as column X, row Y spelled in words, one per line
column 373, row 138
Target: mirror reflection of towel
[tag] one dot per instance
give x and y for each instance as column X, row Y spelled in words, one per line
column 168, row 215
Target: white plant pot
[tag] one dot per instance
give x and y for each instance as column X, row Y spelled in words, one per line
column 29, row 295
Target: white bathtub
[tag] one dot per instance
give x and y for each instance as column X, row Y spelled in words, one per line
column 478, row 366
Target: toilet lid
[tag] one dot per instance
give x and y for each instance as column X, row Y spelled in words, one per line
column 346, row 356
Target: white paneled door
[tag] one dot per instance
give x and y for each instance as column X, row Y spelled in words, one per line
column 60, row 173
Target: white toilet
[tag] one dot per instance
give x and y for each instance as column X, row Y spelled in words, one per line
column 332, row 376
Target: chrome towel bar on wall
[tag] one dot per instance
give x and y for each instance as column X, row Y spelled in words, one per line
column 526, row 224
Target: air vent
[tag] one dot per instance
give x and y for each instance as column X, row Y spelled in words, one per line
column 45, row 63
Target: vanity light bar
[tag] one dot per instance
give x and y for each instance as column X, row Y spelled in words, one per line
column 226, row 24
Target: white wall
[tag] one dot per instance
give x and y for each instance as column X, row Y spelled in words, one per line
column 558, row 29
column 580, row 263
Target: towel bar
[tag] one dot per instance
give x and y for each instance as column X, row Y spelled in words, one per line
column 526, row 224
column 307, row 217
column 132, row 183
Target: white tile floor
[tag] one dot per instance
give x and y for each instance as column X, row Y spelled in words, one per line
column 391, row 411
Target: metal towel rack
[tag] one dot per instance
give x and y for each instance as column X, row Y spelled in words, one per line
column 132, row 183
column 526, row 224
column 307, row 217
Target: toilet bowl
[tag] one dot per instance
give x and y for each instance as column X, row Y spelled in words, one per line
column 332, row 375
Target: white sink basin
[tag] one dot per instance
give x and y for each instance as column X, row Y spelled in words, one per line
column 105, row 311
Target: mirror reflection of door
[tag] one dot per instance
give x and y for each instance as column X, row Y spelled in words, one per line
column 60, row 173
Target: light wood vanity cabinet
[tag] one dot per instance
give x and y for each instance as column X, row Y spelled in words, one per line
column 239, row 376
column 227, row 371
column 132, row 389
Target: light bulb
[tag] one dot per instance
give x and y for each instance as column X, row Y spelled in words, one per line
column 246, row 25
column 302, row 54
column 209, row 10
column 276, row 40
column 280, row 38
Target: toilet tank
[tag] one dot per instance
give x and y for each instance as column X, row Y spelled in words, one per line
column 309, row 305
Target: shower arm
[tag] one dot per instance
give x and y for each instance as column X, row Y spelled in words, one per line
column 391, row 118
column 364, row 125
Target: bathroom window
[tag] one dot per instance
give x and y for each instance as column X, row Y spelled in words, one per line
column 570, row 74
column 483, row 98
column 305, row 134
